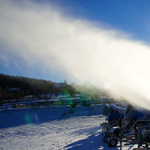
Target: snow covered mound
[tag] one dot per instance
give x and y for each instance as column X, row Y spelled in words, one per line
column 90, row 110
column 15, row 117
column 53, row 128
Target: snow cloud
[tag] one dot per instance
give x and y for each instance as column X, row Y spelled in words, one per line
column 42, row 35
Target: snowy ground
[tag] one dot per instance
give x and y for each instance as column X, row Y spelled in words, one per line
column 53, row 128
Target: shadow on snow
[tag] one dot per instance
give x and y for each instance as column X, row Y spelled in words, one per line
column 17, row 117
column 93, row 142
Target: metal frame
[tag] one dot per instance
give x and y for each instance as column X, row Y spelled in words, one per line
column 127, row 135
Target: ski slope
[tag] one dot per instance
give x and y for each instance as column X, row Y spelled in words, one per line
column 53, row 128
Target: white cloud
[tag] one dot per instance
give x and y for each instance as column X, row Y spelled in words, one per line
column 44, row 37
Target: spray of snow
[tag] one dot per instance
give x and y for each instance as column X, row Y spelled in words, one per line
column 42, row 36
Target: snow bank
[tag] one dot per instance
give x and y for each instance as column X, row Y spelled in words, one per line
column 15, row 117
column 54, row 128
column 89, row 110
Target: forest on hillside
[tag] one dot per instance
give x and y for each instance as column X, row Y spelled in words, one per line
column 17, row 87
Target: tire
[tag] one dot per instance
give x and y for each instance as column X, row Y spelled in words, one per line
column 112, row 142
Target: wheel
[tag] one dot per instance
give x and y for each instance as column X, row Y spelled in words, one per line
column 112, row 142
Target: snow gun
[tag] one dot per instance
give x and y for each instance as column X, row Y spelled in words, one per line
column 134, row 113
column 105, row 109
column 130, row 124
column 114, row 113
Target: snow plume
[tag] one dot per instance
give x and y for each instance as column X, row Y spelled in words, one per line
column 43, row 36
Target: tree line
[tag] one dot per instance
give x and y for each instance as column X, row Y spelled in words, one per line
column 17, row 87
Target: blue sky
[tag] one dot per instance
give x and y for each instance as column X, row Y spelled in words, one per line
column 129, row 17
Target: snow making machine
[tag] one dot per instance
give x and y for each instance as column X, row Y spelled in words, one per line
column 126, row 124
column 110, row 132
